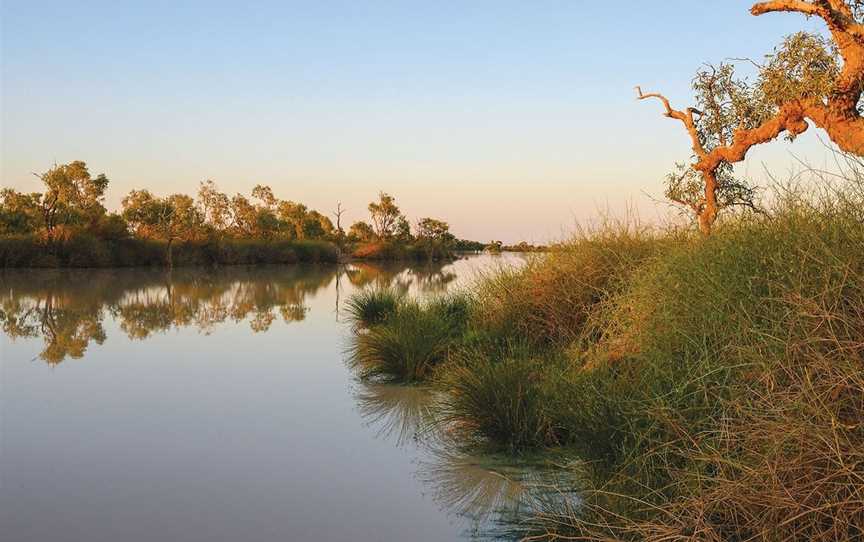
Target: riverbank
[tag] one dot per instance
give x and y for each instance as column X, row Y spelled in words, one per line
column 711, row 388
column 85, row 251
column 91, row 252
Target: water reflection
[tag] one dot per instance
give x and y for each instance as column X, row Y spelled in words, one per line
column 496, row 494
column 404, row 413
column 67, row 308
column 493, row 494
column 427, row 278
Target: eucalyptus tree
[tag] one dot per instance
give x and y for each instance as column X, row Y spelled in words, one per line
column 20, row 213
column 809, row 78
column 215, row 207
column 172, row 218
column 71, row 195
column 385, row 215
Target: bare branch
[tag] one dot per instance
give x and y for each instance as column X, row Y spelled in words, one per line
column 799, row 6
column 686, row 117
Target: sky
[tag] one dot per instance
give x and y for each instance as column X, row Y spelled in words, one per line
column 510, row 120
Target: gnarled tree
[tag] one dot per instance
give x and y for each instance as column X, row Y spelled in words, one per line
column 808, row 78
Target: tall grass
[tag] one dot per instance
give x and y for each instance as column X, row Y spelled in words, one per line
column 372, row 306
column 549, row 300
column 410, row 343
column 729, row 401
column 504, row 398
column 712, row 389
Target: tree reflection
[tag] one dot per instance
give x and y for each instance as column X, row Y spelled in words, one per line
column 426, row 277
column 67, row 324
column 67, row 308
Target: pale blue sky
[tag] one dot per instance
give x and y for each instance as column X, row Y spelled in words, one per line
column 512, row 120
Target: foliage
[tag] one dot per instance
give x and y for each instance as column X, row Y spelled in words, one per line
column 385, row 216
column 71, row 211
column 804, row 66
column 85, row 250
column 808, row 77
column 72, row 195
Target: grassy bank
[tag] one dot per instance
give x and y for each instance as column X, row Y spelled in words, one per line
column 88, row 251
column 712, row 388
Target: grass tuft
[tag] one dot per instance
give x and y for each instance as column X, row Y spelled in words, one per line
column 411, row 342
column 373, row 306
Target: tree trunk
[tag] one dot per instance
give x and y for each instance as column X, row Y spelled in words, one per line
column 170, row 254
column 708, row 214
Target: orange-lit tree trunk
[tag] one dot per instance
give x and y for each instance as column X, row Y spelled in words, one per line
column 839, row 115
column 708, row 162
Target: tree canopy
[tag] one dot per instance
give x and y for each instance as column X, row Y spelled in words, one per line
column 808, row 78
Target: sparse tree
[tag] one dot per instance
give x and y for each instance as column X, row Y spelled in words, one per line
column 385, row 215
column 265, row 195
column 434, row 236
column 808, row 78
column 433, row 230
column 215, row 206
column 402, row 230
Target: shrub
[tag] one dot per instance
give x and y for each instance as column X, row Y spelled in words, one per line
column 80, row 249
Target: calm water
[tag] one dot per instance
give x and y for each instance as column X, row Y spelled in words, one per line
column 217, row 405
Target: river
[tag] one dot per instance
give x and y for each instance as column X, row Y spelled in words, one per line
column 210, row 405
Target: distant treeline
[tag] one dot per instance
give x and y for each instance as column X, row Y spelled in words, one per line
column 497, row 246
column 68, row 225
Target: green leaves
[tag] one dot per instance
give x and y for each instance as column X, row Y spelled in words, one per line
column 805, row 66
